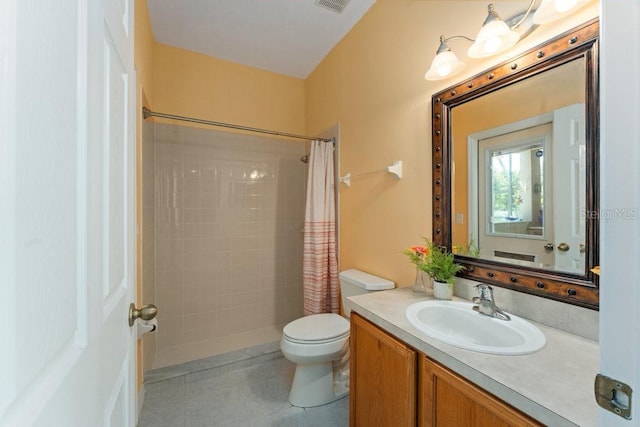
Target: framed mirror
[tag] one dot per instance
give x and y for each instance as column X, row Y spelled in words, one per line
column 515, row 170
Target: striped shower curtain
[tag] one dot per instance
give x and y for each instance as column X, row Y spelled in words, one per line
column 320, row 262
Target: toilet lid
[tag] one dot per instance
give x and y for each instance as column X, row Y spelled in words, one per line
column 317, row 328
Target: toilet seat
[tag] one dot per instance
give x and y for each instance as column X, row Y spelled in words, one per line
column 317, row 329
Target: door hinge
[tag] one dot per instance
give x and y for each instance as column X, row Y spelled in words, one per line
column 613, row 395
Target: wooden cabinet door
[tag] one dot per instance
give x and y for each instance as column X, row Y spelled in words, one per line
column 448, row 400
column 383, row 378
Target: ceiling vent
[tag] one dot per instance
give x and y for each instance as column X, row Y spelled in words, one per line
column 336, row 6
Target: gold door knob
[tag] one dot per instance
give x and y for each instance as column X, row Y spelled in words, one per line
column 563, row 247
column 146, row 312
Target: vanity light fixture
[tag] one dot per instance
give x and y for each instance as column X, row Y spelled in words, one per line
column 496, row 36
column 550, row 10
column 446, row 63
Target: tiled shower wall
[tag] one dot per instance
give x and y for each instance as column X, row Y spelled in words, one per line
column 229, row 215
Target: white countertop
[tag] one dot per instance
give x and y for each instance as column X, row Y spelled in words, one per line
column 554, row 385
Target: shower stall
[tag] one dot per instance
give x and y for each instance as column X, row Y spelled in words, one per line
column 222, row 216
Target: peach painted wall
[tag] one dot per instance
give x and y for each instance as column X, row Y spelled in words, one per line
column 143, row 49
column 372, row 83
column 191, row 84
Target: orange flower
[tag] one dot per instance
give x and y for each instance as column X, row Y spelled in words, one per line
column 422, row 250
column 417, row 254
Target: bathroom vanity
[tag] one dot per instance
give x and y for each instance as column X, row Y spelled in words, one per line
column 401, row 377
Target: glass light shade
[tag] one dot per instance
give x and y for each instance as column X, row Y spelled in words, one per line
column 444, row 65
column 550, row 10
column 493, row 38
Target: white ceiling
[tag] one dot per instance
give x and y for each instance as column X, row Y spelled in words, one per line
column 288, row 37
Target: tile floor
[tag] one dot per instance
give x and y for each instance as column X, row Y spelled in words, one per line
column 248, row 387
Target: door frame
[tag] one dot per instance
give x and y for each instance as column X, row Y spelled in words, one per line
column 619, row 245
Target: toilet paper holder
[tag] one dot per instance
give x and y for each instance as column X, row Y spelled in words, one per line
column 145, row 327
column 146, row 312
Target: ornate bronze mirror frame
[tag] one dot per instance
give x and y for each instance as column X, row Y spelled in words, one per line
column 579, row 288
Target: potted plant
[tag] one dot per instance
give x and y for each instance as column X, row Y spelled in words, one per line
column 418, row 255
column 437, row 263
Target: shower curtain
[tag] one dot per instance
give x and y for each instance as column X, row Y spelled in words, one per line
column 320, row 262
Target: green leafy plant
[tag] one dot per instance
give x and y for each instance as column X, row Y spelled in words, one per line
column 434, row 260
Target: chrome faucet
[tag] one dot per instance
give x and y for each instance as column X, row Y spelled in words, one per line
column 486, row 305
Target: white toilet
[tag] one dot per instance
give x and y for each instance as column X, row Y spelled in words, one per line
column 319, row 345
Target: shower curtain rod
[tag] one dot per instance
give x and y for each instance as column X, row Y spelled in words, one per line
column 146, row 113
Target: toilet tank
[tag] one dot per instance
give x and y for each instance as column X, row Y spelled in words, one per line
column 356, row 282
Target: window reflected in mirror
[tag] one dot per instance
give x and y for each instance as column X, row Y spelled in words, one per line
column 516, row 190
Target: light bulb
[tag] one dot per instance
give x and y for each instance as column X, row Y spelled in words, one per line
column 565, row 5
column 445, row 64
column 444, row 70
column 550, row 10
column 492, row 45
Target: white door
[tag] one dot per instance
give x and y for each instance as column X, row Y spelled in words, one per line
column 569, row 197
column 524, row 238
column 67, row 215
column 620, row 202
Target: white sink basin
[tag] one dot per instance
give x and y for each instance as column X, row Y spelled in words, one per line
column 455, row 323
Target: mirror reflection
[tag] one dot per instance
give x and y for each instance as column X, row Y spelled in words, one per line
column 519, row 176
column 513, row 188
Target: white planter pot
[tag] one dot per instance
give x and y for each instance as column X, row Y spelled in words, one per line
column 442, row 290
